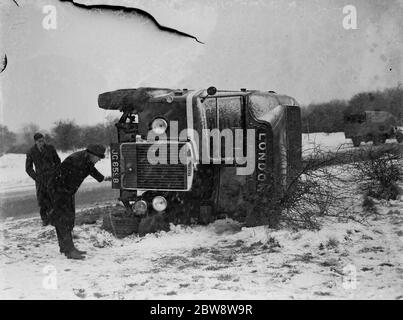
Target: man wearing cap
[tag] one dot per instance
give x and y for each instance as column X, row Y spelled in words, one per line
column 65, row 183
column 45, row 159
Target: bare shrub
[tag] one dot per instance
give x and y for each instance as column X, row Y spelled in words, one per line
column 378, row 173
column 332, row 243
column 272, row 241
column 317, row 190
column 324, row 188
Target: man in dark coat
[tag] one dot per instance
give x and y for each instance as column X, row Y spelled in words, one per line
column 45, row 159
column 65, row 183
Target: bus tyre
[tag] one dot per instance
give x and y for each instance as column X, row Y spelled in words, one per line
column 356, row 141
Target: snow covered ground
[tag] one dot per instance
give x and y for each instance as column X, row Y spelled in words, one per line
column 220, row 261
column 330, row 141
column 224, row 260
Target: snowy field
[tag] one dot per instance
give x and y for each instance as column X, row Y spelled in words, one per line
column 220, row 261
column 330, row 142
column 224, row 260
column 13, row 176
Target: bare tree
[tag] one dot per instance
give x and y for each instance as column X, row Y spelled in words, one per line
column 378, row 171
column 7, row 139
column 28, row 131
column 66, row 135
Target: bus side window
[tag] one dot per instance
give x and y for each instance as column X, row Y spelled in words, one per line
column 230, row 113
column 211, row 113
column 224, row 113
column 230, row 118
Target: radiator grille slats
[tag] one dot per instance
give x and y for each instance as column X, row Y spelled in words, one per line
column 139, row 173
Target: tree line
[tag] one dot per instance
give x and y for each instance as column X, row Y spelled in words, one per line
column 65, row 135
column 328, row 116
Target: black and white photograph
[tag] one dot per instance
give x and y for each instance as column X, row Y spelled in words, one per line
column 222, row 151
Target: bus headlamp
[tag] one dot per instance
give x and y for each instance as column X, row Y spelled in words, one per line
column 159, row 126
column 159, row 203
column 140, row 207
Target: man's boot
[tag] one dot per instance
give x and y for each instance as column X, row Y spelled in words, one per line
column 80, row 251
column 74, row 254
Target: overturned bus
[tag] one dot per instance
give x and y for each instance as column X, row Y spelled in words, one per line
column 195, row 155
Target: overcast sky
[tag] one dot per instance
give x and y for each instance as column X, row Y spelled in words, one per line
column 299, row 48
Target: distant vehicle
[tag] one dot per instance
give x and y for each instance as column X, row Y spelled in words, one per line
column 375, row 126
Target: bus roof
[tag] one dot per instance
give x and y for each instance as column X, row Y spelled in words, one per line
column 130, row 99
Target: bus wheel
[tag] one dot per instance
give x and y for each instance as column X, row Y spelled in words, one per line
column 356, row 141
